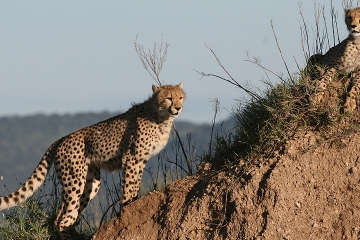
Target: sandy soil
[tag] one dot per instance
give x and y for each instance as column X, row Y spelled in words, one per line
column 298, row 194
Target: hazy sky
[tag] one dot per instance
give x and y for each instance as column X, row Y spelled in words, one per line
column 79, row 56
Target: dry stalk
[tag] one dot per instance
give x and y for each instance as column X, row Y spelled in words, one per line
column 278, row 46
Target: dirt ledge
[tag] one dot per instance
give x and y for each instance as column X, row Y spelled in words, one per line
column 311, row 195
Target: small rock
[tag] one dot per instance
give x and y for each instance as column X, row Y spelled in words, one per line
column 353, row 170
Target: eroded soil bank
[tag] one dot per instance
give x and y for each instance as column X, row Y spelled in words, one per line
column 298, row 194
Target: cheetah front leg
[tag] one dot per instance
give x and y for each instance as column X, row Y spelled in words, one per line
column 321, row 86
column 350, row 103
column 131, row 179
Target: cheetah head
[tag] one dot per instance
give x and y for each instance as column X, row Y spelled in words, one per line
column 352, row 20
column 169, row 99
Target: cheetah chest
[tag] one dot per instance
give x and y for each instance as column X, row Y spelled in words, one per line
column 346, row 57
column 159, row 140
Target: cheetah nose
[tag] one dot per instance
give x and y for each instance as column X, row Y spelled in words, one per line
column 353, row 26
column 178, row 108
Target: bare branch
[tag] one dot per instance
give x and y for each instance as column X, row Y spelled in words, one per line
column 152, row 59
column 257, row 62
column 232, row 81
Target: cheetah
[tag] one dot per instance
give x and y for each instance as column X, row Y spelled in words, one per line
column 124, row 142
column 343, row 58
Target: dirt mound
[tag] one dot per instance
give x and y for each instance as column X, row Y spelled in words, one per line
column 307, row 192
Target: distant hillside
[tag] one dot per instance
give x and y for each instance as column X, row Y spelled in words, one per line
column 23, row 140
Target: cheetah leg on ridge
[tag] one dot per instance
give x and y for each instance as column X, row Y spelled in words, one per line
column 321, row 85
column 350, row 103
column 131, row 179
column 137, row 181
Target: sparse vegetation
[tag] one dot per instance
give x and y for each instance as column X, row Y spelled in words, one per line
column 34, row 218
column 28, row 221
column 264, row 124
column 267, row 120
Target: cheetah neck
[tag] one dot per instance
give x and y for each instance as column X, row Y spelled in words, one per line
column 355, row 40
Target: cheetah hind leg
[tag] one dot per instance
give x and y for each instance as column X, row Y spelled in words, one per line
column 68, row 213
column 350, row 103
column 92, row 187
column 60, row 213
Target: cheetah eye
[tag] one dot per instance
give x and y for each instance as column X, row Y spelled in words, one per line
column 170, row 99
column 181, row 98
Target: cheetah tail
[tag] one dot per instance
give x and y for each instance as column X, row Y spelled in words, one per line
column 31, row 185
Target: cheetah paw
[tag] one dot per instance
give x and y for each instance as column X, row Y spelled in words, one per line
column 350, row 104
column 317, row 98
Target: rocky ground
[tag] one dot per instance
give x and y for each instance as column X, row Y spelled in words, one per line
column 307, row 191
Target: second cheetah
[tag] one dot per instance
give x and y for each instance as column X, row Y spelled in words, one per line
column 343, row 58
column 126, row 142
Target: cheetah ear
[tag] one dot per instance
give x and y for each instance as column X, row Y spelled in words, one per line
column 155, row 88
column 180, row 85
